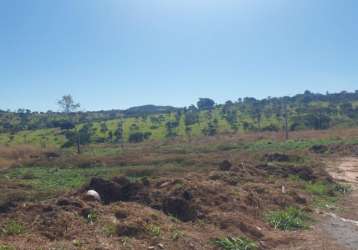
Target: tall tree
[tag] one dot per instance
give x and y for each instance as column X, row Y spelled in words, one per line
column 205, row 104
column 67, row 104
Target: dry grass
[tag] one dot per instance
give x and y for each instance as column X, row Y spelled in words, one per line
column 14, row 155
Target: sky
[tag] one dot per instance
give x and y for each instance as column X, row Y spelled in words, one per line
column 114, row 54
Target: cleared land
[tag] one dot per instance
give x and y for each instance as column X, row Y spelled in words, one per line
column 252, row 190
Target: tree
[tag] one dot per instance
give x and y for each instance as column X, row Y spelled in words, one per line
column 103, row 127
column 67, row 104
column 205, row 104
column 78, row 137
column 118, row 133
column 171, row 126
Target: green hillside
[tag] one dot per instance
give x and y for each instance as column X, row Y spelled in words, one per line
column 305, row 111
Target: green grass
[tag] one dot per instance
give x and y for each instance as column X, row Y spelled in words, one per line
column 6, row 247
column 231, row 243
column 49, row 181
column 92, row 217
column 110, row 230
column 289, row 219
column 325, row 193
column 12, row 228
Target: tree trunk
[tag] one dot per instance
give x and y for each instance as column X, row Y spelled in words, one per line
column 78, row 144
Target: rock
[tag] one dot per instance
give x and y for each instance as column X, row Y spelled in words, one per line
column 163, row 185
column 92, row 195
column 225, row 165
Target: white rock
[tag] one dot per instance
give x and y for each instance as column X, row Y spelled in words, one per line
column 93, row 194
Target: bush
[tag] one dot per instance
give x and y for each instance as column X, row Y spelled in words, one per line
column 139, row 137
column 289, row 219
column 241, row 243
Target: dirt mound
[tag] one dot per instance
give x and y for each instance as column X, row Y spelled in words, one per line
column 120, row 189
column 280, row 157
column 225, row 165
column 180, row 208
column 319, row 149
column 303, row 172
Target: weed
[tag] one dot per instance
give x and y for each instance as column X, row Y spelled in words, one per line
column 126, row 242
column 231, row 243
column 153, row 230
column 110, row 230
column 13, row 227
column 177, row 234
column 5, row 247
column 289, row 219
column 317, row 188
column 91, row 217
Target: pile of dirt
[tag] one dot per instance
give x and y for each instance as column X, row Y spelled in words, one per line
column 336, row 149
column 281, row 157
column 284, row 171
column 178, row 212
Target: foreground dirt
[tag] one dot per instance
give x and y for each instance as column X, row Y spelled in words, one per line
column 189, row 211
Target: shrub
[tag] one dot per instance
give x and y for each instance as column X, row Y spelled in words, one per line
column 289, row 219
column 241, row 243
column 137, row 137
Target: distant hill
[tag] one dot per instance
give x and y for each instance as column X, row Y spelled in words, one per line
column 149, row 110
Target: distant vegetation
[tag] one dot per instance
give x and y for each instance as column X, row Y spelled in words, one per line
column 70, row 127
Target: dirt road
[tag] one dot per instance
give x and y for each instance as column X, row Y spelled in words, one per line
column 342, row 225
column 336, row 229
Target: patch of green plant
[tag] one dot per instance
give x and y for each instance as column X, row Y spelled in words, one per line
column 317, row 188
column 153, row 230
column 110, row 229
column 92, row 217
column 13, row 227
column 177, row 234
column 5, row 247
column 289, row 219
column 50, row 180
column 232, row 243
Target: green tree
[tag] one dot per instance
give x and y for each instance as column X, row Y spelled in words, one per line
column 205, row 104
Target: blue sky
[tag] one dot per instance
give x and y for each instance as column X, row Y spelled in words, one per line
column 113, row 54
